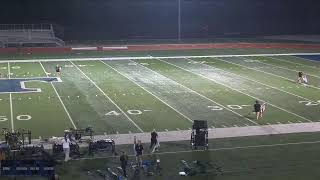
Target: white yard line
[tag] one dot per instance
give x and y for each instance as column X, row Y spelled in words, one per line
column 280, row 76
column 202, row 95
column 149, row 92
column 107, row 97
column 281, row 67
column 238, row 91
column 159, row 57
column 10, row 97
column 55, row 90
column 312, row 60
column 300, row 64
column 255, row 80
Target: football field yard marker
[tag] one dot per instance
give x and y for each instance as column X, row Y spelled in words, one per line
column 249, row 79
column 281, row 67
column 283, row 60
column 10, row 97
column 55, row 90
column 149, row 92
column 204, row 97
column 316, row 87
column 235, row 90
column 107, row 96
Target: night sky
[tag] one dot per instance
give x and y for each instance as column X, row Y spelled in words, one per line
column 123, row 19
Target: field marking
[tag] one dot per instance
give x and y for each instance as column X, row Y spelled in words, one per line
column 10, row 97
column 159, row 57
column 107, row 97
column 55, row 90
column 287, row 61
column 255, row 80
column 148, row 92
column 312, row 60
column 214, row 149
column 237, row 90
column 281, row 67
column 202, row 96
column 291, row 80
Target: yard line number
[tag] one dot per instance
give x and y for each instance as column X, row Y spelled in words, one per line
column 233, row 106
column 131, row 111
column 310, row 103
column 21, row 117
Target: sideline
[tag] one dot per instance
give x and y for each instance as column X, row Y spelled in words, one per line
column 153, row 57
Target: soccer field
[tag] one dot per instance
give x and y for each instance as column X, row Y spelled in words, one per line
column 167, row 94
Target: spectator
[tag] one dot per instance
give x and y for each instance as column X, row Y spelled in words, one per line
column 124, row 163
column 154, row 141
column 66, row 148
column 139, row 152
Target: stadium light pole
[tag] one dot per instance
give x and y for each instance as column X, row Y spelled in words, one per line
column 179, row 20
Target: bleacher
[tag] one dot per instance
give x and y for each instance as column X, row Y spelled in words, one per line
column 28, row 35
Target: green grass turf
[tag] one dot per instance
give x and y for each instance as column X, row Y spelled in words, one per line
column 130, row 96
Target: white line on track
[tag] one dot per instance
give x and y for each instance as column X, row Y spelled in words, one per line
column 55, row 90
column 107, row 97
column 255, row 80
column 10, row 97
column 236, row 90
column 149, row 92
column 202, row 96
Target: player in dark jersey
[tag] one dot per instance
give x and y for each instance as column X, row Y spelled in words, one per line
column 257, row 109
column 58, row 70
column 300, row 75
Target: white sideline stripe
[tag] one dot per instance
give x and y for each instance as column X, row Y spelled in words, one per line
column 281, row 67
column 215, row 149
column 148, row 92
column 155, row 57
column 279, row 76
column 202, row 96
column 255, row 80
column 287, row 61
column 55, row 90
column 108, row 97
column 84, row 48
column 10, row 97
column 217, row 133
column 236, row 90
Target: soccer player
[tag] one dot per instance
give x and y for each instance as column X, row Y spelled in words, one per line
column 257, row 109
column 263, row 109
column 58, row 70
column 300, row 74
column 304, row 80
